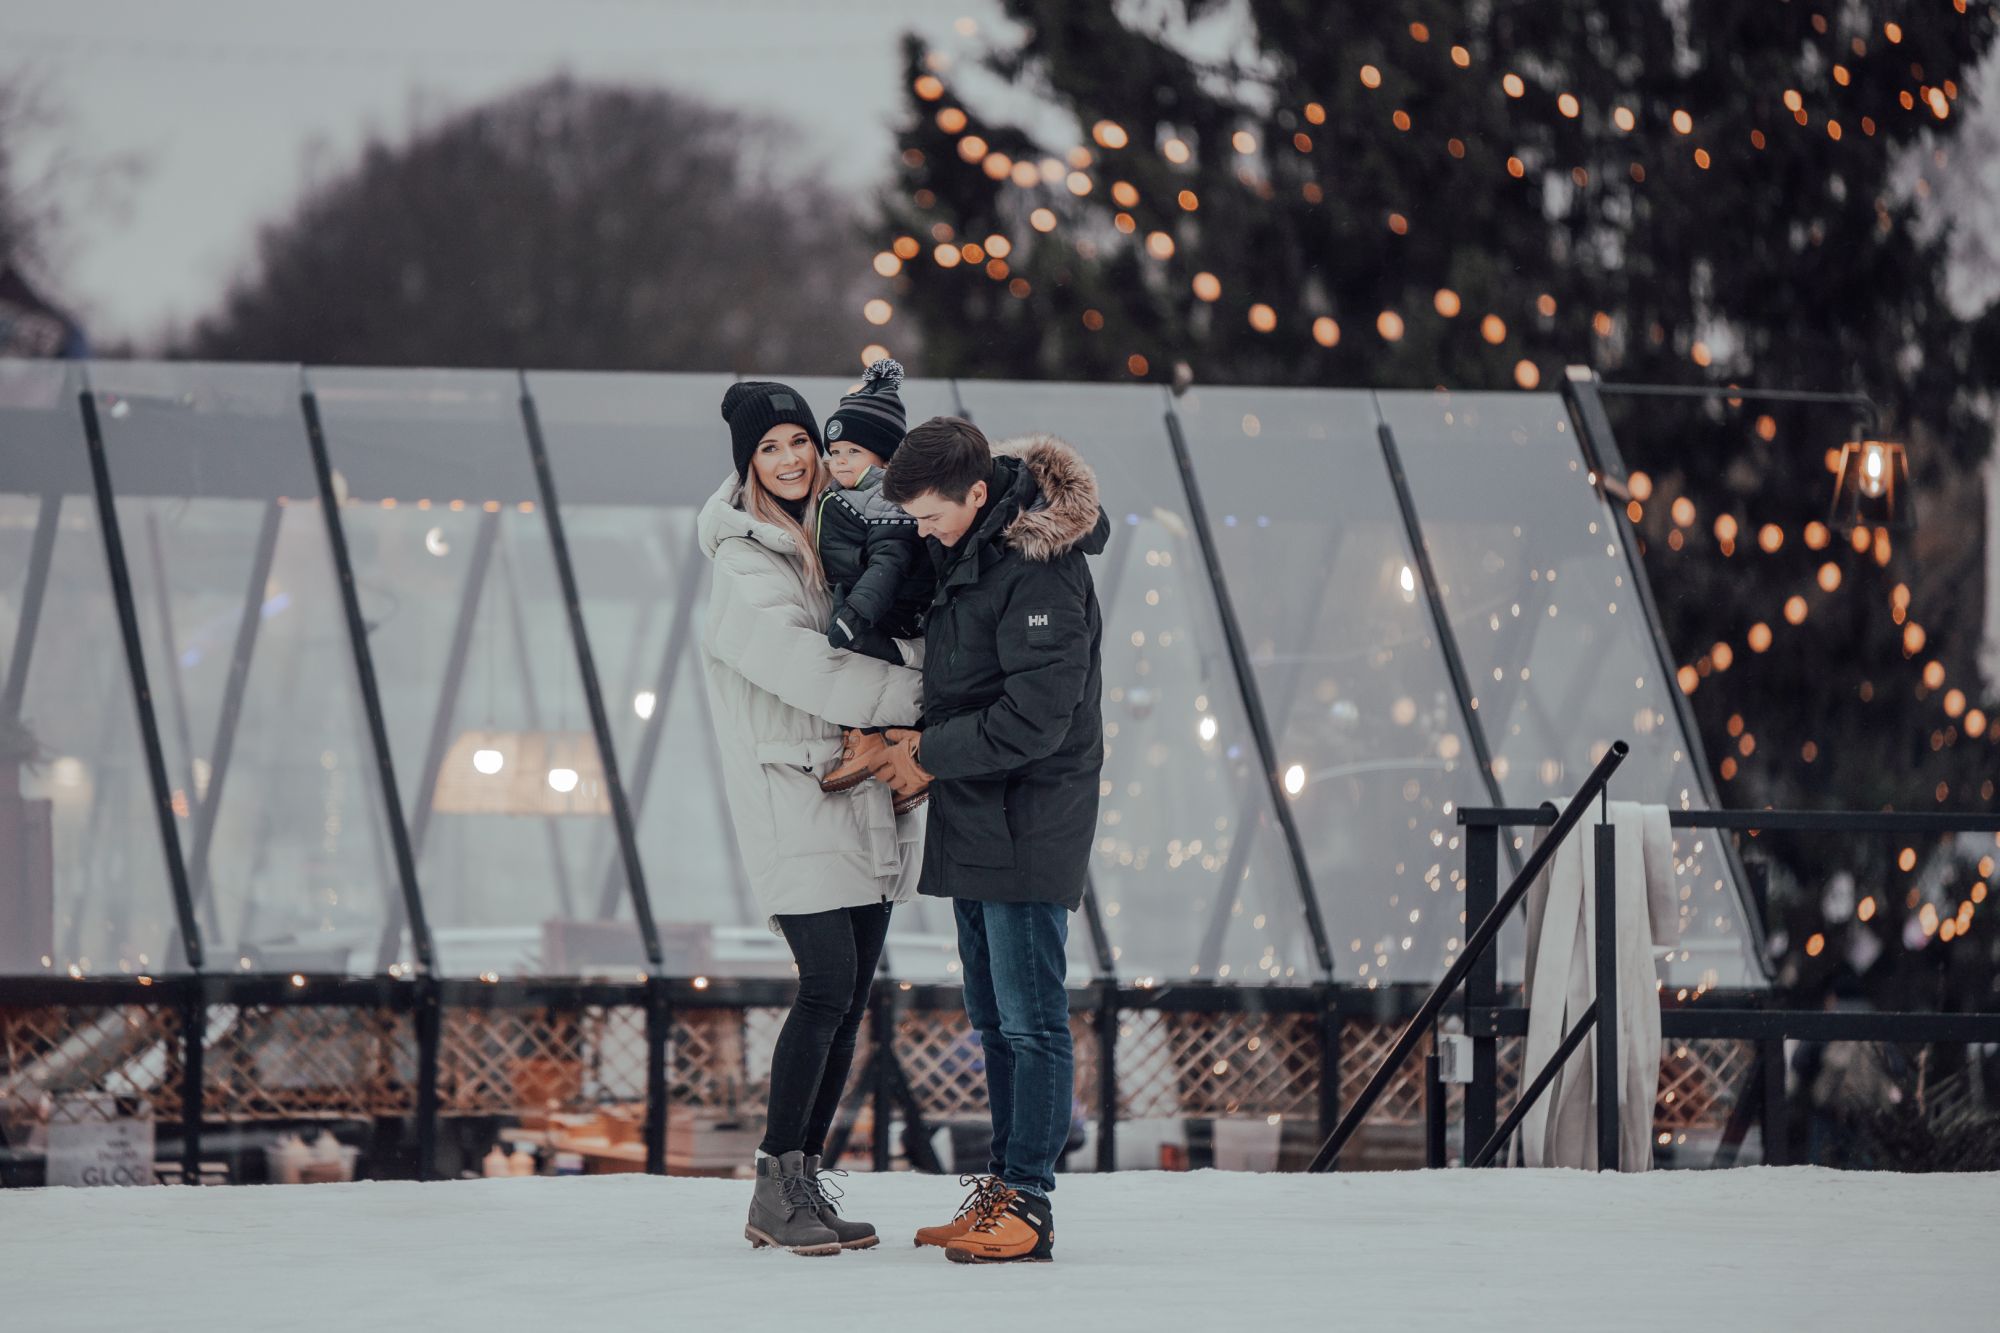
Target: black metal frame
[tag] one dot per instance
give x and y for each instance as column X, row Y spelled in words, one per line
column 1253, row 702
column 426, row 996
column 371, row 692
column 593, row 691
column 142, row 690
column 1454, row 660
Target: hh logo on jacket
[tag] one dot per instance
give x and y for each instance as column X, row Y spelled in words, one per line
column 1040, row 627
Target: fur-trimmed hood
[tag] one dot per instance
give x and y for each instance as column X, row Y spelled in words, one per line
column 1064, row 513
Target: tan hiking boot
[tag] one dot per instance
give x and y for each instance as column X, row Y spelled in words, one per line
column 1018, row 1229
column 860, row 755
column 971, row 1212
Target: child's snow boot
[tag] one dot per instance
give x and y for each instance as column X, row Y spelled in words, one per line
column 860, row 755
column 971, row 1211
column 784, row 1210
column 1020, row 1230
column 853, row 1235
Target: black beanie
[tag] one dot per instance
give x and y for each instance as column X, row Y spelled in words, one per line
column 872, row 416
column 752, row 407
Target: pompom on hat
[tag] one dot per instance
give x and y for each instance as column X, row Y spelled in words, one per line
column 872, row 416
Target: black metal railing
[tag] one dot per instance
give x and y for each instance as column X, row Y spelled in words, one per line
column 1490, row 922
column 1767, row 1027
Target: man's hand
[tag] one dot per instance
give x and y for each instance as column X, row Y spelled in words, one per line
column 898, row 765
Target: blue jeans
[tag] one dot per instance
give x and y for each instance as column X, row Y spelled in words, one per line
column 1016, row 960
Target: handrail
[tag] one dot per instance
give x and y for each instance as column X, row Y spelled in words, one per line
column 1529, row 1095
column 1774, row 821
column 1481, row 939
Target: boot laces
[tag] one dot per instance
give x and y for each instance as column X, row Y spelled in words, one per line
column 825, row 1191
column 798, row 1192
column 985, row 1200
column 997, row 1201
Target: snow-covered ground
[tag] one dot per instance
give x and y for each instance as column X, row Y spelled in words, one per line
column 1750, row 1249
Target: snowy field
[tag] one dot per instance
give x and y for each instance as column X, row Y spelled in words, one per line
column 1750, row 1249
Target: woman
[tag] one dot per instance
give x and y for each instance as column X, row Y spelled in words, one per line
column 825, row 869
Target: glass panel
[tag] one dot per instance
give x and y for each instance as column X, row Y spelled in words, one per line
column 281, row 817
column 494, row 754
column 1192, row 875
column 1534, row 576
column 1353, row 681
column 634, row 458
column 83, row 880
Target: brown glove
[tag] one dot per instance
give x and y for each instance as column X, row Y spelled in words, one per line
column 898, row 764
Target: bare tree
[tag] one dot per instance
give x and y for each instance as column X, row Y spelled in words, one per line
column 565, row 225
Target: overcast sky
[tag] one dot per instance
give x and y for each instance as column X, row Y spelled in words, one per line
column 230, row 104
column 225, row 101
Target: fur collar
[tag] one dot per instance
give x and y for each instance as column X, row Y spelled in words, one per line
column 1067, row 511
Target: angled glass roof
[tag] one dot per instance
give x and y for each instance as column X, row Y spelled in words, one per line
column 1321, row 510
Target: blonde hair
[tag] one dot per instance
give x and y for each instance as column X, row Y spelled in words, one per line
column 765, row 507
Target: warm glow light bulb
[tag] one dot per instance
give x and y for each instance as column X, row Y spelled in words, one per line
column 488, row 762
column 643, row 704
column 562, row 780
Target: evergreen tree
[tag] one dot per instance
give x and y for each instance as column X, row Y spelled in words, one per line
column 1479, row 195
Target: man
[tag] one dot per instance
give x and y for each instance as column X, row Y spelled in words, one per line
column 1012, row 743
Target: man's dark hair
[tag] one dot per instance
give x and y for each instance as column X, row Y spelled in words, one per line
column 944, row 454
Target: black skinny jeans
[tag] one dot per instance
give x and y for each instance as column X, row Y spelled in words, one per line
column 836, row 952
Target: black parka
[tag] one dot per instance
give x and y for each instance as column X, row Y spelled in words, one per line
column 1013, row 721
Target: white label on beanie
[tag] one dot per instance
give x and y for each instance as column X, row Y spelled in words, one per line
column 833, row 428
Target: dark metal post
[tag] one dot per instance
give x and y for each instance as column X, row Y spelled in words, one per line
column 593, row 691
column 194, row 1039
column 1253, row 703
column 1107, row 1074
column 429, row 1020
column 1607, row 998
column 1600, row 451
column 659, row 1032
column 1328, row 1010
column 1100, row 938
column 882, row 1017
column 40, row 552
column 371, row 693
column 1434, row 1097
column 1776, row 1151
column 1454, row 660
column 1482, row 983
column 142, row 692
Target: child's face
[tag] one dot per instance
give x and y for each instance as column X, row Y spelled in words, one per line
column 848, row 461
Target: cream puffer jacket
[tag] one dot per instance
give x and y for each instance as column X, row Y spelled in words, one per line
column 780, row 695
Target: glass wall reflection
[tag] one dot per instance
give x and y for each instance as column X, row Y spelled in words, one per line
column 274, row 788
column 267, row 750
column 84, row 888
column 488, row 728
column 1372, row 746
column 1190, row 872
column 1534, row 577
